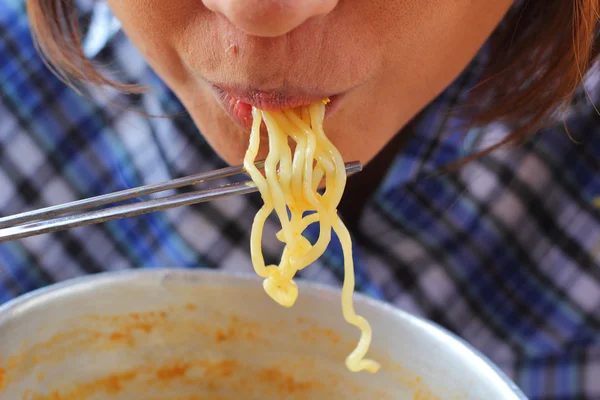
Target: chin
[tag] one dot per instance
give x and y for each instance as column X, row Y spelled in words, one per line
column 227, row 139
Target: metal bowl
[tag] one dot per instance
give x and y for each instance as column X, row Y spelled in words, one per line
column 193, row 335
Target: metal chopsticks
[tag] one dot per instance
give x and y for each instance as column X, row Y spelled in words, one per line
column 52, row 219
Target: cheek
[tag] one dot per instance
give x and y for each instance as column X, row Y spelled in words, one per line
column 435, row 39
column 156, row 28
column 428, row 43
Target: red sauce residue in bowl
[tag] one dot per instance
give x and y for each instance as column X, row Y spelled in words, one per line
column 171, row 372
column 199, row 378
column 216, row 375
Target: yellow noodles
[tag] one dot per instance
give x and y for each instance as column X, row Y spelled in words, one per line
column 294, row 188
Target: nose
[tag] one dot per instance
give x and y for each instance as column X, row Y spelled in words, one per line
column 270, row 18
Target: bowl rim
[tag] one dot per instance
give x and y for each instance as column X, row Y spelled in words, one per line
column 107, row 277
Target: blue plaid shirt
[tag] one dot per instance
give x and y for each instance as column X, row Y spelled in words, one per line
column 504, row 251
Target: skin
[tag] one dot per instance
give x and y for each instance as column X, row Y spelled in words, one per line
column 390, row 58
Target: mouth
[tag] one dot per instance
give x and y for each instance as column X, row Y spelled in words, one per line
column 238, row 102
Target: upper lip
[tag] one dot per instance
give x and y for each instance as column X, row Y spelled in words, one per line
column 272, row 100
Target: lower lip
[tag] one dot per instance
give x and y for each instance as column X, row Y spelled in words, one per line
column 241, row 112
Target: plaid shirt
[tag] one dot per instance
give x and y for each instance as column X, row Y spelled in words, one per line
column 504, row 251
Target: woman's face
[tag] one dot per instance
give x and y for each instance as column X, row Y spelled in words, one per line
column 380, row 61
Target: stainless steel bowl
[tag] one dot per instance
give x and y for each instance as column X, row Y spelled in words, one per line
column 193, row 335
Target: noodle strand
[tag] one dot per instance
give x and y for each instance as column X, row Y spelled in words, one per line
column 289, row 187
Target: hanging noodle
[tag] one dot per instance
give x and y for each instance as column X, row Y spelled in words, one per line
column 294, row 188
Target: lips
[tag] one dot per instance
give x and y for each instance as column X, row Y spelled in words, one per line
column 238, row 103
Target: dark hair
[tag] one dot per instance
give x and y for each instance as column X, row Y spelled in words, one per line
column 539, row 57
